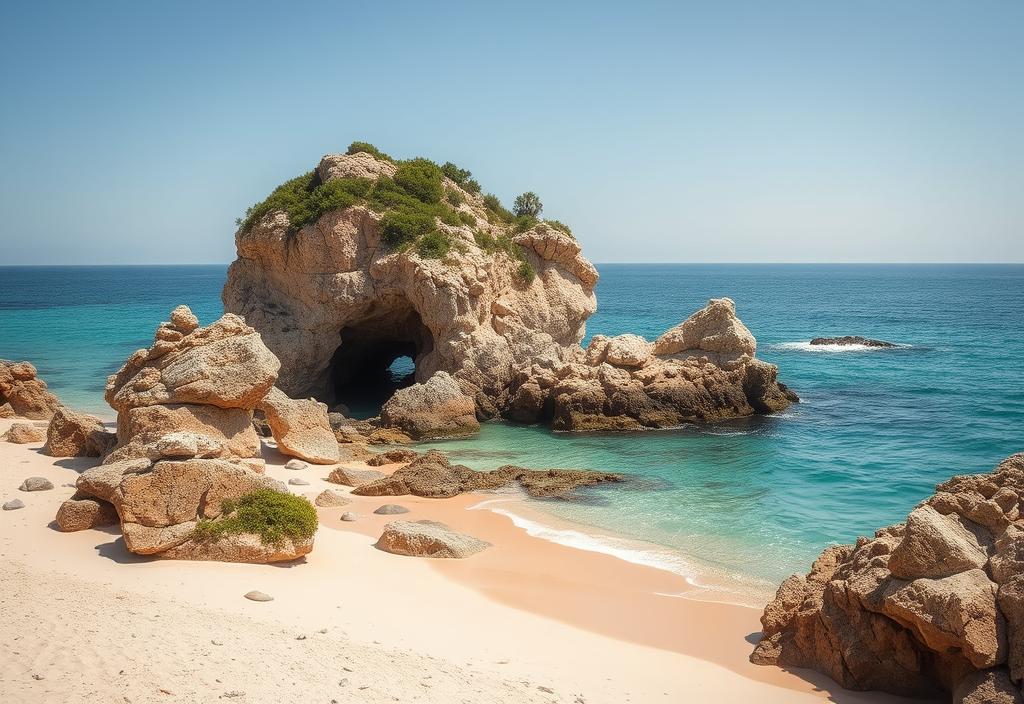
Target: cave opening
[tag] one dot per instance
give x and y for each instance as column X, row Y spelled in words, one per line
column 375, row 357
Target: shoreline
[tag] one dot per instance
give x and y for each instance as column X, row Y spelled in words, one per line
column 525, row 610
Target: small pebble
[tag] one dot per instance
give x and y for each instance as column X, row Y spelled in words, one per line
column 216, row 642
column 14, row 504
column 255, row 595
column 347, row 516
column 302, row 637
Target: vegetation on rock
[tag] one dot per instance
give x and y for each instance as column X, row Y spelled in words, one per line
column 527, row 204
column 272, row 515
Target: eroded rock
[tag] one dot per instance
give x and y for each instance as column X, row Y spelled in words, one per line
column 24, row 433
column 300, row 427
column 23, row 394
column 72, row 434
column 428, row 539
column 435, row 408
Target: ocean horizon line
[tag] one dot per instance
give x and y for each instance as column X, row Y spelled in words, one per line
column 615, row 263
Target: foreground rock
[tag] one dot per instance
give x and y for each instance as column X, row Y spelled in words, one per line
column 72, row 434
column 848, row 340
column 23, row 394
column 82, row 512
column 36, row 484
column 300, row 427
column 428, row 539
column 13, row 505
column 330, row 499
column 932, row 605
column 493, row 325
column 432, row 475
column 24, row 433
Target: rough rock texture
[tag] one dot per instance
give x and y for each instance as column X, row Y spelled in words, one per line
column 432, row 475
column 36, row 484
column 72, row 434
column 82, row 512
column 300, row 427
column 141, row 430
column 934, row 604
column 852, row 340
column 396, row 456
column 432, row 409
column 328, row 498
column 428, row 539
column 354, row 477
column 23, row 394
column 24, row 433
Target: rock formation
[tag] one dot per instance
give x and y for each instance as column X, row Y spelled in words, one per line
column 935, row 604
column 428, row 539
column 186, row 447
column 433, row 476
column 23, row 394
column 300, row 427
column 24, row 433
column 72, row 434
column 410, row 262
column 852, row 340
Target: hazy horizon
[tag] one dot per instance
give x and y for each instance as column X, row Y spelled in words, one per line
column 738, row 133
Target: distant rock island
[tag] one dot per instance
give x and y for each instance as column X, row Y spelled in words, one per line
column 367, row 259
column 852, row 340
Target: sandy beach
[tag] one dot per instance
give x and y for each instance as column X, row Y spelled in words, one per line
column 526, row 621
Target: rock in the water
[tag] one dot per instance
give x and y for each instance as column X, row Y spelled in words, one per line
column 329, row 498
column 295, row 464
column 391, row 510
column 13, row 505
column 36, row 484
column 349, row 516
column 255, row 595
column 848, row 340
column 428, row 539
column 432, row 475
column 927, row 606
column 434, row 409
column 82, row 512
column 24, row 433
column 301, row 428
column 396, row 456
column 354, row 477
column 713, row 331
column 23, row 394
column 298, row 481
column 72, row 434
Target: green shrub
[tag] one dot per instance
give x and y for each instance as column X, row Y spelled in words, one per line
column 466, row 218
column 560, row 226
column 421, row 179
column 460, row 176
column 525, row 272
column 400, row 227
column 523, row 223
column 454, row 198
column 434, row 245
column 527, row 204
column 495, row 208
column 272, row 515
column 356, row 147
column 472, row 185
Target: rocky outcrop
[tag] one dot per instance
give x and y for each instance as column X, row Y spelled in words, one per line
column 930, row 605
column 23, row 394
column 428, row 539
column 24, row 433
column 72, row 434
column 848, row 340
column 300, row 427
column 436, row 408
column 432, row 475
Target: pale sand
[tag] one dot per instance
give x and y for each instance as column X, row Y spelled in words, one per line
column 98, row 624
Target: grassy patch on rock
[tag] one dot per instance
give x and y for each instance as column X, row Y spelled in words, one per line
column 272, row 515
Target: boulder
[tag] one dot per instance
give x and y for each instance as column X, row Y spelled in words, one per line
column 391, row 510
column 935, row 604
column 82, row 512
column 23, row 394
column 349, row 517
column 36, row 484
column 24, row 433
column 397, row 456
column 220, row 432
column 428, row 539
column 300, row 427
column 713, row 331
column 13, row 505
column 72, row 434
column 627, row 351
column 354, row 477
column 328, row 498
column 433, row 409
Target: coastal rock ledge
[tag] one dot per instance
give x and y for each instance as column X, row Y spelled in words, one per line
column 367, row 259
column 930, row 606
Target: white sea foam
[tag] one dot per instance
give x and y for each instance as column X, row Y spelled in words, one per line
column 806, row 346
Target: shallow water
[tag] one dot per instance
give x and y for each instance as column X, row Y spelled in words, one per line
column 878, row 428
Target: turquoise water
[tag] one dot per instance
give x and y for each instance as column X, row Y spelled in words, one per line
column 760, row 497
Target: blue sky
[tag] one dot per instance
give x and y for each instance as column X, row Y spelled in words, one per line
column 727, row 131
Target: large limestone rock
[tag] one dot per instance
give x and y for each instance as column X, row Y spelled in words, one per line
column 141, row 430
column 433, row 409
column 428, row 539
column 72, row 434
column 300, row 427
column 24, row 433
column 23, row 394
column 934, row 604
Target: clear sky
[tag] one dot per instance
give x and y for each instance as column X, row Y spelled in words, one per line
column 137, row 132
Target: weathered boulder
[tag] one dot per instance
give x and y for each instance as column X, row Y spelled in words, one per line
column 24, row 433
column 428, row 539
column 82, row 512
column 72, row 434
column 432, row 475
column 354, row 477
column 328, row 498
column 300, row 427
column 935, row 604
column 714, row 332
column 23, row 394
column 432, row 409
column 226, row 432
column 36, row 484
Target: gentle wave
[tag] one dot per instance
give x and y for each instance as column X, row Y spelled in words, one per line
column 806, row 346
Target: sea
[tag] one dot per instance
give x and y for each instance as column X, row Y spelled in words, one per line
column 754, row 499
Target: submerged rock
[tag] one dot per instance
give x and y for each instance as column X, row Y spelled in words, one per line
column 852, row 340
column 428, row 539
column 934, row 604
column 23, row 394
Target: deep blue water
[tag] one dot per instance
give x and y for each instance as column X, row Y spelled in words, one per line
column 876, row 431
